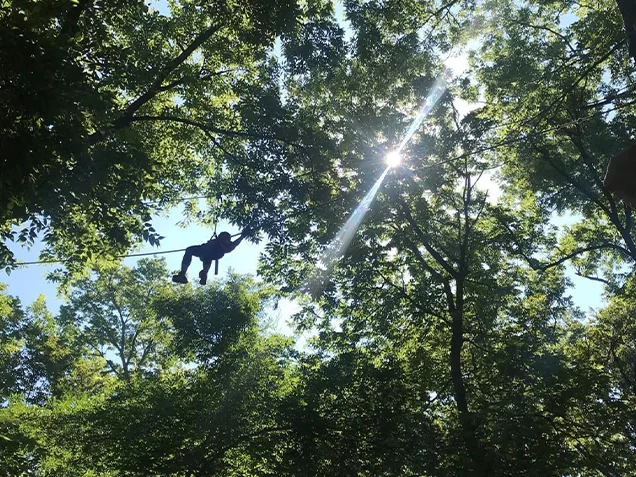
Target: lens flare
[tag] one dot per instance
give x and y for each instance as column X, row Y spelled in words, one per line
column 343, row 238
column 393, row 159
column 429, row 103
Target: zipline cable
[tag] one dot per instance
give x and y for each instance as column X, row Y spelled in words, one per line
column 145, row 254
column 44, row 262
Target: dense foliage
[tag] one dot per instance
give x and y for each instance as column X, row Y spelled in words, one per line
column 446, row 341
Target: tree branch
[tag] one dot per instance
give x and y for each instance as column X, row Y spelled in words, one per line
column 612, row 211
column 144, row 354
column 550, row 30
column 211, row 129
column 125, row 360
column 441, row 9
column 155, row 88
column 580, row 78
column 605, row 246
column 609, row 100
column 101, row 354
column 422, row 260
column 545, row 155
column 426, row 241
column 465, row 239
column 187, row 79
column 592, row 278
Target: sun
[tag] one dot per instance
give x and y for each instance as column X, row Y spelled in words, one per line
column 393, row 159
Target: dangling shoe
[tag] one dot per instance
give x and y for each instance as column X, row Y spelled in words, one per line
column 180, row 278
column 203, row 277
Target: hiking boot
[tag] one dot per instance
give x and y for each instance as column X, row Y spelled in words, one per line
column 180, row 278
column 203, row 277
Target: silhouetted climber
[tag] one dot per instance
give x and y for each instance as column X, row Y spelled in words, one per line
column 212, row 250
column 620, row 178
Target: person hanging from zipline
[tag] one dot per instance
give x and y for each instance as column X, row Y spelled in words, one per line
column 212, row 250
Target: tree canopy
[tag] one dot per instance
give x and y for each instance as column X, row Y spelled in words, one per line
column 446, row 340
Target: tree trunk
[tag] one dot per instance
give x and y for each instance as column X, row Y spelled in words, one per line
column 459, row 392
column 628, row 11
